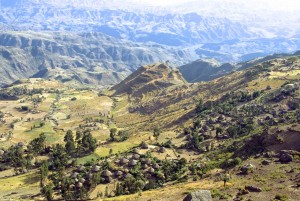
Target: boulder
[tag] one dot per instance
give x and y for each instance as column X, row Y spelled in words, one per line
column 266, row 162
column 247, row 168
column 200, row 195
column 285, row 158
column 253, row 189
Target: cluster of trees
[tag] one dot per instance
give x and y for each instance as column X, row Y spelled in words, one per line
column 241, row 128
column 14, row 93
column 170, row 171
column 83, row 144
column 118, row 136
column 226, row 103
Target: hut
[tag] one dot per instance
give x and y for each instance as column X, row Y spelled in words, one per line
column 135, row 156
column 148, row 161
column 80, row 168
column 123, row 161
column 162, row 150
column 144, row 145
column 155, row 166
column 145, row 166
column 118, row 173
column 106, row 173
column 132, row 162
column 151, row 170
column 74, row 175
column 96, row 168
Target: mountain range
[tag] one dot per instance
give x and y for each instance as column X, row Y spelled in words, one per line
column 84, row 58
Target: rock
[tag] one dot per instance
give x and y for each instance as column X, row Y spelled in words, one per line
column 200, row 195
column 253, row 189
column 247, row 168
column 266, row 162
column 285, row 158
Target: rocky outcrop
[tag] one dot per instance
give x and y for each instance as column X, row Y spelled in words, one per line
column 200, row 195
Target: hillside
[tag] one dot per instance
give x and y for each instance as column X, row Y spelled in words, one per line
column 149, row 79
column 202, row 70
column 155, row 133
column 92, row 59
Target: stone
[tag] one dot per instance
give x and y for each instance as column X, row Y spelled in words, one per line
column 200, row 195
column 285, row 158
column 253, row 189
column 266, row 162
column 247, row 168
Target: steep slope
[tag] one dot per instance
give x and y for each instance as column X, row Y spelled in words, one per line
column 148, row 79
column 176, row 104
column 91, row 58
column 236, row 128
column 207, row 70
column 204, row 70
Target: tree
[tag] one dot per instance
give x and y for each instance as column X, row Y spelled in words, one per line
column 47, row 192
column 59, row 157
column 88, row 142
column 42, row 124
column 112, row 134
column 44, row 170
column 37, row 145
column 70, row 143
column 156, row 133
column 219, row 130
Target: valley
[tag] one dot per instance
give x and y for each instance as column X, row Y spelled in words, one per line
column 155, row 133
column 149, row 100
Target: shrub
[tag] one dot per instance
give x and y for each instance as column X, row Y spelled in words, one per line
column 281, row 197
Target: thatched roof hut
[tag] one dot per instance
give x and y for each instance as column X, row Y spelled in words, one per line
column 151, row 170
column 136, row 150
column 128, row 175
column 96, row 168
column 148, row 161
column 123, row 161
column 135, row 156
column 162, row 150
column 79, row 185
column 145, row 166
column 132, row 162
column 118, row 173
column 74, row 174
column 108, row 179
column 106, row 173
column 144, row 145
column 80, row 168
column 90, row 175
column 155, row 166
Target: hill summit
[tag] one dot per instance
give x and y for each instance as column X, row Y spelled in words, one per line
column 149, row 78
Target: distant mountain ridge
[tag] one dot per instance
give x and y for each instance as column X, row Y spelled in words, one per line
column 90, row 58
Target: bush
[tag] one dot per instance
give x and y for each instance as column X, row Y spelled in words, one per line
column 281, row 197
column 230, row 163
column 25, row 108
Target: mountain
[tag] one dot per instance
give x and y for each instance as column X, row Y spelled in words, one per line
column 149, row 79
column 207, row 70
column 204, row 70
column 220, row 35
column 89, row 58
column 167, row 29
